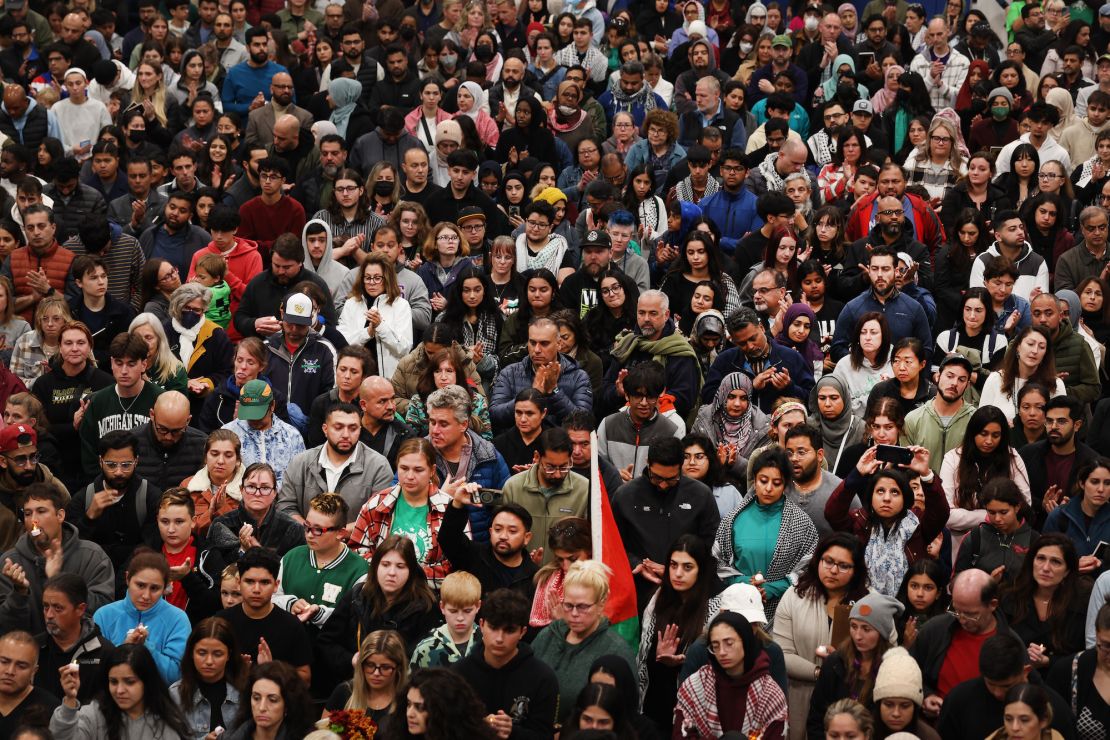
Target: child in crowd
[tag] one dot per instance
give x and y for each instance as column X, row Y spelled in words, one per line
column 460, row 598
column 211, row 270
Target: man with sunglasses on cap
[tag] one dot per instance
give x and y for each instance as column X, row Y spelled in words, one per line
column 19, row 468
column 302, row 363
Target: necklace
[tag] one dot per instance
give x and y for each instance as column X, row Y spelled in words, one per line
column 127, row 408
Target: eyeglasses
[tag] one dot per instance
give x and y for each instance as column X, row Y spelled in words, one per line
column 373, row 279
column 318, row 531
column 623, row 124
column 270, row 177
column 382, row 669
column 730, row 168
column 555, row 469
column 172, row 274
column 893, row 211
column 614, row 290
column 346, row 189
column 169, row 432
column 114, row 465
column 837, row 567
column 473, row 227
column 965, row 617
column 537, row 224
column 258, row 490
column 658, row 480
column 1103, row 647
column 941, row 139
column 23, row 461
column 578, row 608
column 447, row 238
column 1048, row 176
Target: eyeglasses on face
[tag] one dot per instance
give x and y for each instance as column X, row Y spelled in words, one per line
column 659, row 480
column 316, row 531
column 837, row 567
column 382, row 669
column 578, row 608
column 23, row 461
column 258, row 490
column 114, row 465
column 554, row 469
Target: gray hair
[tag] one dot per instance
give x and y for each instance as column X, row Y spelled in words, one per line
column 795, row 176
column 632, row 67
column 712, row 83
column 658, row 295
column 741, row 318
column 1090, row 212
column 186, row 294
column 451, row 397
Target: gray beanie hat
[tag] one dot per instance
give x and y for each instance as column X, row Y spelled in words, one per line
column 899, row 677
column 1003, row 92
column 879, row 611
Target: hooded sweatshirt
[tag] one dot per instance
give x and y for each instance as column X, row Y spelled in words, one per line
column 525, row 688
column 331, row 271
column 124, row 81
column 243, row 263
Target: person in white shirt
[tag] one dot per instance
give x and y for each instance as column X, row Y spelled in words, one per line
column 1041, row 117
column 79, row 117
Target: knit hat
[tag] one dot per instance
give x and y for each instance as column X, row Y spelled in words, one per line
column 1003, row 92
column 551, row 195
column 534, row 26
column 899, row 677
column 697, row 28
column 879, row 611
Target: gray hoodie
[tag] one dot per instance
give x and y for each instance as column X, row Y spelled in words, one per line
column 329, row 270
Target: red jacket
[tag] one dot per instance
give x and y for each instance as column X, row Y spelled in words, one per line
column 927, row 227
column 243, row 263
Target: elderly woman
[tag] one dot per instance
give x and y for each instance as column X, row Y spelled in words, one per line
column 733, row 424
column 217, row 488
column 163, row 367
column 198, row 342
column 659, row 147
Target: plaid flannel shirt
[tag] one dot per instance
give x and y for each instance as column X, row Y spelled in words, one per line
column 376, row 516
column 951, row 79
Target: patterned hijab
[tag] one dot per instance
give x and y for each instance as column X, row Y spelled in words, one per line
column 737, row 430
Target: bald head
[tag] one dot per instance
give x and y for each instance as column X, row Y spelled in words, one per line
column 974, row 599
column 281, row 90
column 15, row 100
column 936, row 35
column 73, row 28
column 287, row 133
column 172, row 402
column 375, row 396
column 169, row 418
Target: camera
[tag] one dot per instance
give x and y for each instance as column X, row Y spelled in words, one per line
column 487, row 496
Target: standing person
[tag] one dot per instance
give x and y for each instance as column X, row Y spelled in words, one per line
column 376, row 315
column 302, row 363
column 265, row 438
column 39, row 269
column 272, row 213
column 1027, row 360
column 212, row 673
column 79, row 118
column 381, row 669
column 940, row 425
column 1054, row 462
column 1085, row 515
column 279, row 703
column 194, row 565
column 34, row 349
column 999, row 545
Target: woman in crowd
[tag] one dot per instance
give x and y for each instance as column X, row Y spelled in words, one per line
column 473, row 314
column 641, row 201
column 1021, row 183
column 938, row 163
column 838, row 176
column 849, row 672
column 677, row 614
column 160, row 110
column 569, row 541
column 1085, row 518
column 12, row 327
column 375, row 314
column 541, row 299
column 145, row 710
column 600, row 707
column 1027, row 359
column 998, row 545
column 438, row 704
column 734, row 424
column 1029, row 421
column 571, row 643
column 801, row 332
column 197, row 342
column 212, row 676
column 162, row 366
column 350, row 116
column 249, row 363
column 444, row 368
column 271, row 528
column 1045, row 216
column 701, row 461
column 735, row 692
column 71, row 376
column 826, row 242
column 974, row 337
column 530, row 134
column 743, row 550
column 1094, row 314
column 814, row 282
column 144, row 617
column 924, row 595
column 217, row 488
column 445, row 257
column 1083, row 680
column 897, row 697
column 278, row 705
column 1027, row 714
column 1087, row 178
column 974, row 191
column 411, row 222
column 984, row 455
column 867, row 362
column 840, row 428
column 699, row 260
column 615, row 312
column 381, row 669
column 396, row 595
column 891, row 530
column 34, row 350
column 518, row 444
column 910, row 385
column 782, row 254
column 847, row 719
column 506, row 285
column 572, row 343
column 834, row 577
column 614, row 671
column 968, row 236
column 192, row 81
column 1046, row 604
column 882, row 425
column 384, row 188
column 512, row 197
column 624, row 135
column 469, row 99
column 659, row 147
column 422, row 120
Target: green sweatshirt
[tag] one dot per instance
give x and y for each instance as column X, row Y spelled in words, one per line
column 107, row 412
column 219, row 309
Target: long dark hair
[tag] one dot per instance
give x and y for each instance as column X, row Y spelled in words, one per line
column 156, row 694
column 958, row 257
column 1046, row 372
column 454, row 313
column 681, row 264
column 715, row 476
column 809, row 582
column 917, row 102
column 1030, row 387
column 902, row 481
column 984, row 297
column 931, row 569
column 608, row 698
column 362, row 212
column 975, row 468
column 212, row 628
column 148, row 279
column 416, row 590
column 688, row 609
column 1067, row 598
column 299, row 709
column 631, row 203
column 454, row 709
column 836, row 218
column 856, row 351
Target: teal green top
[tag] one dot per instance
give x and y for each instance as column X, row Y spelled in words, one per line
column 219, row 307
column 755, row 533
column 412, row 522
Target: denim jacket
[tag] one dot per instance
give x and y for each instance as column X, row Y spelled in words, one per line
column 198, row 717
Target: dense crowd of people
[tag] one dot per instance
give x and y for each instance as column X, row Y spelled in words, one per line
column 339, row 342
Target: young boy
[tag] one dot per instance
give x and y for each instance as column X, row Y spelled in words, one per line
column 193, row 565
column 230, row 595
column 460, row 599
column 211, row 269
column 104, row 315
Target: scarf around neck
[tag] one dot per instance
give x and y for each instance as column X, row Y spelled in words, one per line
column 734, row 430
column 187, row 339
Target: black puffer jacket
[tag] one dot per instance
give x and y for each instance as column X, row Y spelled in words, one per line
column 166, row 467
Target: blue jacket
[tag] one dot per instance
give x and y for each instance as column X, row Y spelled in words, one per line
column 734, row 214
column 905, row 316
column 734, row 361
column 488, row 469
column 572, row 392
column 1070, row 520
column 244, row 82
column 640, row 153
column 167, row 626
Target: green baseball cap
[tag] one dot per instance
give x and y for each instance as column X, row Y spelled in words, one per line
column 782, row 40
column 254, row 400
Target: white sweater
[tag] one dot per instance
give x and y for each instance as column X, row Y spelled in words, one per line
column 394, row 333
column 993, row 396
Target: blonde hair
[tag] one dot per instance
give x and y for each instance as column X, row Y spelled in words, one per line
column 9, row 307
column 168, row 365
column 486, row 23
column 378, row 642
column 591, row 574
column 460, row 589
column 955, row 158
column 157, row 96
column 47, row 303
column 856, row 711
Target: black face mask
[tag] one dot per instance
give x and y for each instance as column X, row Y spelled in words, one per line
column 383, row 188
column 408, row 33
column 137, row 135
column 483, row 53
column 189, row 319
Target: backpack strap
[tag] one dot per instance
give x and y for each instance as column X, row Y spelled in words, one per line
column 140, row 502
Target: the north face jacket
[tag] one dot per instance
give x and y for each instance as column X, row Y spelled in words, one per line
column 485, row 467
column 305, row 375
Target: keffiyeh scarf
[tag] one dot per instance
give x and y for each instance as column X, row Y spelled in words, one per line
column 885, row 554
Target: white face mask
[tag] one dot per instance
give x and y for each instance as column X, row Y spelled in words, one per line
column 566, row 110
column 811, row 23
column 745, row 47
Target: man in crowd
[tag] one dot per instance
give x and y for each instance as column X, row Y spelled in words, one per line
column 625, row 436
column 1074, row 359
column 262, row 299
column 301, row 361
column 353, row 365
column 70, row 636
column 169, row 448
column 243, row 87
column 580, row 427
column 261, row 121
column 265, row 437
column 733, row 207
column 41, row 268
column 813, row 484
column 20, row 468
column 382, row 430
column 176, row 239
column 1054, row 463
column 20, row 699
column 939, row 425
column 942, row 67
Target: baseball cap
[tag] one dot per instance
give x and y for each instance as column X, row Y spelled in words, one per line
column 781, row 40
column 16, row 436
column 955, row 358
column 14, row 4
column 297, row 309
column 596, row 239
column 744, row 599
column 982, row 29
column 469, row 213
column 1104, row 10
column 863, row 106
column 1103, row 58
column 254, row 400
